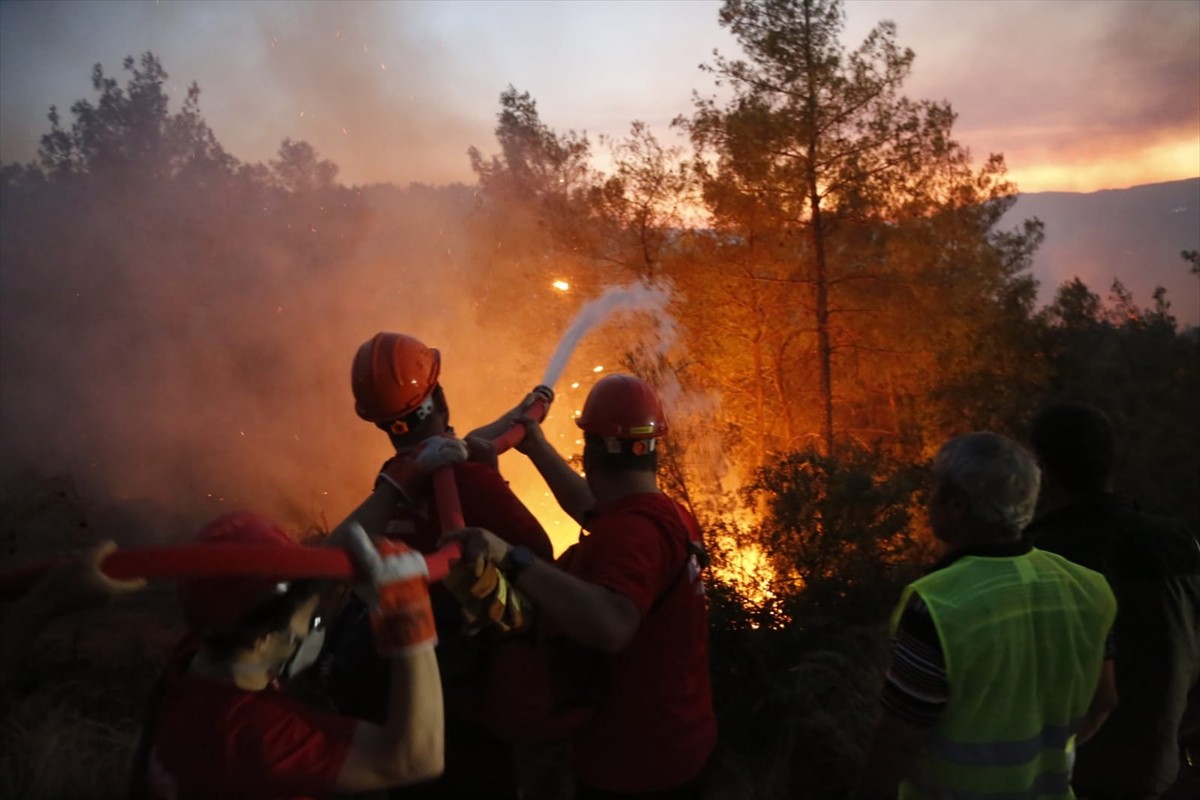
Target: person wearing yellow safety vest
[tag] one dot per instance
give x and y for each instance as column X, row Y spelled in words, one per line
column 1001, row 661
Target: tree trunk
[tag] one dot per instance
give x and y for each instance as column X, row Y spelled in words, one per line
column 824, row 346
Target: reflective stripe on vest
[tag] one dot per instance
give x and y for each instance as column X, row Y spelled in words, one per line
column 1023, row 640
column 1006, row 754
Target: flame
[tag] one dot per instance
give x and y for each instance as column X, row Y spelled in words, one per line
column 747, row 568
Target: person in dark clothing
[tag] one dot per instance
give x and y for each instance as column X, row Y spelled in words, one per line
column 1153, row 566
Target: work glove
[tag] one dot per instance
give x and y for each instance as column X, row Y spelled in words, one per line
column 487, row 598
column 540, row 392
column 410, row 471
column 395, row 587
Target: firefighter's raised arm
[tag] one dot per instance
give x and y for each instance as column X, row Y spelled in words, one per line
column 409, row 746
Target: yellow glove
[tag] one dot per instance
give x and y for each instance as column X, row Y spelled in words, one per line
column 486, row 596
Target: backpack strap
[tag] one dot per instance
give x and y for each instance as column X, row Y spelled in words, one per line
column 692, row 547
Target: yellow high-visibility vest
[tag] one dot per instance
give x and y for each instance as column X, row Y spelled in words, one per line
column 1023, row 639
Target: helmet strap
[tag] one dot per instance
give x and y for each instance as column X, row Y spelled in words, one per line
column 406, row 423
column 634, row 447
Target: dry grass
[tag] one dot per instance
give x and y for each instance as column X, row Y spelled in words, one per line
column 69, row 723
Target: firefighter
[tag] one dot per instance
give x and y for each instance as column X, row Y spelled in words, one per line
column 394, row 378
column 220, row 723
column 630, row 591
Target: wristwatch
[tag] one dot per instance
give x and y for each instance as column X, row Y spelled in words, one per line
column 517, row 560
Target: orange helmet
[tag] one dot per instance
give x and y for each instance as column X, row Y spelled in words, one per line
column 214, row 603
column 392, row 376
column 624, row 407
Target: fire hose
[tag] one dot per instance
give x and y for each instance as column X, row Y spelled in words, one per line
column 230, row 560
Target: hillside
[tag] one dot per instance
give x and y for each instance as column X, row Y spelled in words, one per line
column 1133, row 234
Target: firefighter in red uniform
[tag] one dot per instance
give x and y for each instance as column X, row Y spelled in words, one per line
column 220, row 724
column 629, row 590
column 395, row 382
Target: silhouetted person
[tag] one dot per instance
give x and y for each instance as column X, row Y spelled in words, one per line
column 1153, row 566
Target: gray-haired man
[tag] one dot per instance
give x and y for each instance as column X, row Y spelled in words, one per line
column 1000, row 663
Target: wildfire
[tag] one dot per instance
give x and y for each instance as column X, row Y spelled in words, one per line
column 745, row 567
column 749, row 572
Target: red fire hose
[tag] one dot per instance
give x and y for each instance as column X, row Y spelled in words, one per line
column 212, row 560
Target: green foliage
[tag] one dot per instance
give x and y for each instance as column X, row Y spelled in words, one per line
column 797, row 670
column 638, row 211
column 131, row 129
column 535, row 163
column 796, row 707
column 1192, row 257
column 299, row 170
column 840, row 531
column 849, row 220
column 1135, row 365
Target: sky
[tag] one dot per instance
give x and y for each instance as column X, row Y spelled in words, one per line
column 1079, row 95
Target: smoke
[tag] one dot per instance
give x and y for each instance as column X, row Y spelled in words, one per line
column 174, row 357
column 376, row 86
column 1076, row 96
column 637, row 297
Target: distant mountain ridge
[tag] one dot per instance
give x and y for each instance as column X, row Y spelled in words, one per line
column 1134, row 235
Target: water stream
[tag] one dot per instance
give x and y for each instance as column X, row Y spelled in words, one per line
column 637, row 297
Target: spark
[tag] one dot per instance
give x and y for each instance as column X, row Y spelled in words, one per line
column 562, row 286
column 597, row 368
column 575, row 385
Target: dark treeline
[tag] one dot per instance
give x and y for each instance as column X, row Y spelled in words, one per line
column 177, row 327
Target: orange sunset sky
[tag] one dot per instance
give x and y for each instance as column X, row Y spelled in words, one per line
column 1079, row 95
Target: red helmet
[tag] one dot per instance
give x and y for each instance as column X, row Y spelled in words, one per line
column 392, row 376
column 625, row 407
column 213, row 603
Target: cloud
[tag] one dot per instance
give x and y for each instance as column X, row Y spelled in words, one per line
column 1052, row 85
column 370, row 83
